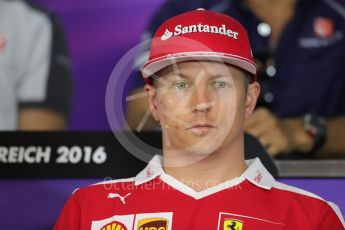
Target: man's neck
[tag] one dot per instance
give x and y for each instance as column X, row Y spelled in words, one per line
column 218, row 167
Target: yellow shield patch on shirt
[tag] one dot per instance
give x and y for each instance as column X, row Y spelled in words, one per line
column 233, row 224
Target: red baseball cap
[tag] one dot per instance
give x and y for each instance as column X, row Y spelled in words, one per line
column 200, row 35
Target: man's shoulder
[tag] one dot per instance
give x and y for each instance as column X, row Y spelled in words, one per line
column 306, row 205
column 302, row 201
column 295, row 191
column 109, row 181
column 297, row 196
column 105, row 187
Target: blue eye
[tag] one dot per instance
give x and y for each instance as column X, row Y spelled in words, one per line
column 181, row 85
column 219, row 84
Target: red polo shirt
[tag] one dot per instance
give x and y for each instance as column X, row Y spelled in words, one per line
column 153, row 200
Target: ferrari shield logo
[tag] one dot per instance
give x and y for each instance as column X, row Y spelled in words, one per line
column 233, row 224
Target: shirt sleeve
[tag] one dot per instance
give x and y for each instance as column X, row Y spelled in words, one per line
column 331, row 219
column 69, row 218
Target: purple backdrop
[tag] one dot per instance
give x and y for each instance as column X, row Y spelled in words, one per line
column 98, row 34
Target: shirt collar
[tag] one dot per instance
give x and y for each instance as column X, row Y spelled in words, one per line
column 153, row 169
column 256, row 173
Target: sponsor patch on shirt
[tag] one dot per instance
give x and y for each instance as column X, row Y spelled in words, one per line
column 324, row 34
column 232, row 224
column 114, row 225
column 153, row 224
column 323, row 27
column 141, row 221
column 153, row 221
column 231, row 221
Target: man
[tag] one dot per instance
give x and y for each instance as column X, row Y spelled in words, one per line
column 201, row 86
column 292, row 41
column 35, row 75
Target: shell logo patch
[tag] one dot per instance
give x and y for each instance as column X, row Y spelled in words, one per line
column 114, row 226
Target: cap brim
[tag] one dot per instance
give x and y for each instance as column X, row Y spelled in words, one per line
column 155, row 65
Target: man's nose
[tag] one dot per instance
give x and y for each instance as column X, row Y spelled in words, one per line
column 201, row 100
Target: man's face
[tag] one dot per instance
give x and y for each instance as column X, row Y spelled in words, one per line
column 201, row 105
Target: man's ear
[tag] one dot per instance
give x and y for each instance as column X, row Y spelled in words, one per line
column 253, row 92
column 150, row 92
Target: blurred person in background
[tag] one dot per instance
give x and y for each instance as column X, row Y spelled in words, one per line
column 35, row 76
column 299, row 46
